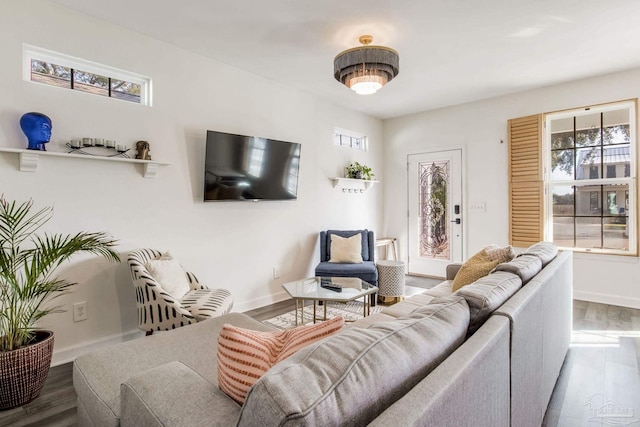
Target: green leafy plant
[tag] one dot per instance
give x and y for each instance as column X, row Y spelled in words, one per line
column 27, row 264
column 357, row 171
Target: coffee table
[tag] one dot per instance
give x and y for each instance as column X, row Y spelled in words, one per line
column 310, row 289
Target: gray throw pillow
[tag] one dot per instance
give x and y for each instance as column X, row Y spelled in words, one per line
column 352, row 377
column 546, row 251
column 488, row 293
column 525, row 266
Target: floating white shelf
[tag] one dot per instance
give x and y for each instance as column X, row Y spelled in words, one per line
column 29, row 160
column 352, row 185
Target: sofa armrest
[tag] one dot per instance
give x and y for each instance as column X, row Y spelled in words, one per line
column 452, row 270
column 174, row 395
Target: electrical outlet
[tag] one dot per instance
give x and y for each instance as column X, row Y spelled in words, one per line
column 276, row 272
column 80, row 311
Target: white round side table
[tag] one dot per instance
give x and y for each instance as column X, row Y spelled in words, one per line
column 390, row 279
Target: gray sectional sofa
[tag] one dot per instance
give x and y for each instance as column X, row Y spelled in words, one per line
column 488, row 356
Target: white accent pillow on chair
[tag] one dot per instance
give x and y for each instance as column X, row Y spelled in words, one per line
column 170, row 275
column 346, row 249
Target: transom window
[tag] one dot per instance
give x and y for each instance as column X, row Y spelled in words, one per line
column 591, row 152
column 350, row 139
column 59, row 70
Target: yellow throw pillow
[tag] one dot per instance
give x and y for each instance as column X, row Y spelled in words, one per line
column 346, row 249
column 245, row 355
column 500, row 254
column 476, row 267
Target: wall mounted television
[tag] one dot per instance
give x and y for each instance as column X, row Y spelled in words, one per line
column 250, row 168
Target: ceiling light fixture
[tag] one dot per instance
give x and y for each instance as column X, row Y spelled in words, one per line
column 365, row 69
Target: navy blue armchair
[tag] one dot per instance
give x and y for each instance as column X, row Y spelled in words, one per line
column 366, row 270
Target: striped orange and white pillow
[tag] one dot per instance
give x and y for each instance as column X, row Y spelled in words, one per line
column 245, row 355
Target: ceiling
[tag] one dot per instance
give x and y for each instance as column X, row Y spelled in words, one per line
column 451, row 51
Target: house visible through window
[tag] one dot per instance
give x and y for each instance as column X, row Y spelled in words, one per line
column 54, row 69
column 591, row 176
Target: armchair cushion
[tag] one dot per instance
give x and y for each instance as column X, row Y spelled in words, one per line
column 366, row 271
column 326, row 254
column 346, row 249
column 169, row 275
column 206, row 303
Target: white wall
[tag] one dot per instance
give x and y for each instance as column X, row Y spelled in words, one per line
column 231, row 244
column 481, row 129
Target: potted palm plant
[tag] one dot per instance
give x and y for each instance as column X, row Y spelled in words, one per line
column 27, row 286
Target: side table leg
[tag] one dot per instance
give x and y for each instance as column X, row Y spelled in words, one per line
column 301, row 314
column 314, row 311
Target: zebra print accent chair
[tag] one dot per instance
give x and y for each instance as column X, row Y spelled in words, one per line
column 159, row 311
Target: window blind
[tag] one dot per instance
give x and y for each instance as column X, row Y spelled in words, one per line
column 526, row 185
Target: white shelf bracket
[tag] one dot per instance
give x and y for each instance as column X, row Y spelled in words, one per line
column 29, row 161
column 150, row 170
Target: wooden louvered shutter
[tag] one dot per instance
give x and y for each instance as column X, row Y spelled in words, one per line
column 526, row 184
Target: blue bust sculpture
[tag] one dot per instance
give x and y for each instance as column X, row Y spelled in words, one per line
column 37, row 128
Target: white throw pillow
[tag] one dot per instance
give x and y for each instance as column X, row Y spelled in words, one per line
column 170, row 275
column 346, row 249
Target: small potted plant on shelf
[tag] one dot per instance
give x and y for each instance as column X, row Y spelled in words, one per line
column 27, row 285
column 357, row 171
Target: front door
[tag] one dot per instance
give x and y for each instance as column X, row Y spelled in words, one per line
column 435, row 211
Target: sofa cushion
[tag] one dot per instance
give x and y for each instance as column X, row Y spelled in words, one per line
column 172, row 394
column 525, row 266
column 364, row 234
column 97, row 376
column 546, row 251
column 351, row 377
column 488, row 293
column 244, row 355
column 346, row 249
column 408, row 305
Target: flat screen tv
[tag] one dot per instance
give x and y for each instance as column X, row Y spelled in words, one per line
column 239, row 167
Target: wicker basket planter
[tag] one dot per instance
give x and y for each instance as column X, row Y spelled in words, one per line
column 24, row 371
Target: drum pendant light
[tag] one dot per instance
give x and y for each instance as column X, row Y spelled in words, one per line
column 365, row 69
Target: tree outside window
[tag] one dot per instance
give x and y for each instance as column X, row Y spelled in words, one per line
column 590, row 175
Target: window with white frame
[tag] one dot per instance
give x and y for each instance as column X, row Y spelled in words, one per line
column 60, row 70
column 350, row 139
column 591, row 181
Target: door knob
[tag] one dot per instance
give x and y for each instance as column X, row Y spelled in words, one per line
column 457, row 220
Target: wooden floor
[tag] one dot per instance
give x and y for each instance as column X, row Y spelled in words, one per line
column 601, row 370
column 599, row 384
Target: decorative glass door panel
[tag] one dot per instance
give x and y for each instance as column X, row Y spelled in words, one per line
column 434, row 225
column 435, row 220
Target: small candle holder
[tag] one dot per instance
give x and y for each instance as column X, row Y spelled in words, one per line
column 77, row 146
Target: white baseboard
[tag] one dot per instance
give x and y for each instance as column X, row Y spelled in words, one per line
column 606, row 299
column 68, row 354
